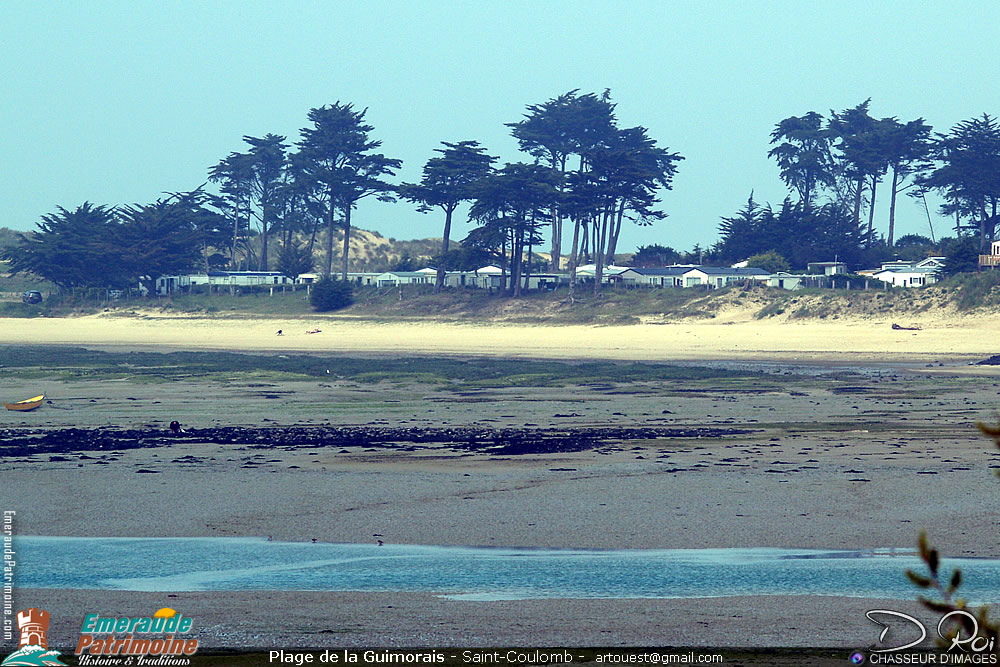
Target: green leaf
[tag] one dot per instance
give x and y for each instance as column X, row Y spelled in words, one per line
column 956, row 581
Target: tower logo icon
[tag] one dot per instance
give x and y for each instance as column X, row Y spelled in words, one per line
column 32, row 649
column 33, row 624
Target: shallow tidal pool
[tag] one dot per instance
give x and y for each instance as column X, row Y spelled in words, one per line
column 476, row 573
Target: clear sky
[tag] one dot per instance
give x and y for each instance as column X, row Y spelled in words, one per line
column 116, row 102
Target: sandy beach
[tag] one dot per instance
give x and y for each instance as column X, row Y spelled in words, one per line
column 835, row 459
column 731, row 336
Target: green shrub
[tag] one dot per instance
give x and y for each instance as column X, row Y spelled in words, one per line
column 768, row 261
column 328, row 294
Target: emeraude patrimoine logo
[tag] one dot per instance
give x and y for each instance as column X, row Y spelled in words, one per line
column 108, row 636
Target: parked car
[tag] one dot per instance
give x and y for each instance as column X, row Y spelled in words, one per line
column 31, row 296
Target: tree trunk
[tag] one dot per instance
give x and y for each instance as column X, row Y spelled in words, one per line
column 516, row 257
column 312, row 236
column 236, row 233
column 584, row 241
column 613, row 241
column 858, row 196
column 527, row 266
column 572, row 258
column 445, row 242
column 989, row 229
column 503, row 265
column 556, row 241
column 871, row 213
column 329, row 240
column 263, row 237
column 347, row 242
column 557, row 223
column 600, row 236
column 892, row 203
column 596, row 249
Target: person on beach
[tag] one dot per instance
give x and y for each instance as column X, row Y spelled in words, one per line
column 312, row 331
column 279, row 333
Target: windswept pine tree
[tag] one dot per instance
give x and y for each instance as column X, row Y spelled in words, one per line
column 234, row 175
column 967, row 174
column 513, row 203
column 337, row 164
column 860, row 159
column 99, row 247
column 267, row 165
column 803, row 154
column 630, row 168
column 906, row 146
column 449, row 180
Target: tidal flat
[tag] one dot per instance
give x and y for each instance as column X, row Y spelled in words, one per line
column 689, row 455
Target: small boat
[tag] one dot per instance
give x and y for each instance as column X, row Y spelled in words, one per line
column 26, row 404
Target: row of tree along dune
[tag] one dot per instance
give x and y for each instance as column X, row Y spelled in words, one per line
column 586, row 177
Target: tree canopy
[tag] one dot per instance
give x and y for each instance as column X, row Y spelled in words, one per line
column 448, row 180
column 582, row 168
column 97, row 246
column 513, row 203
column 966, row 171
column 338, row 168
column 799, row 232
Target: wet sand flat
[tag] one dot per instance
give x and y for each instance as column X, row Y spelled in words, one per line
column 835, row 457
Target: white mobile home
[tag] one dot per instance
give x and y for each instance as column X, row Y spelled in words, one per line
column 221, row 279
column 793, row 281
column 394, row 278
column 535, row 281
column 717, row 276
column 908, row 277
column 609, row 274
column 663, row 276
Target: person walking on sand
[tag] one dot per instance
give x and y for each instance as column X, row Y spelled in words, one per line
column 279, row 333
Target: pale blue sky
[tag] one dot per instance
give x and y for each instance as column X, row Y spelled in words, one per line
column 118, row 102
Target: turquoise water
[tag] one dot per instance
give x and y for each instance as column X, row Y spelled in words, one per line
column 475, row 573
